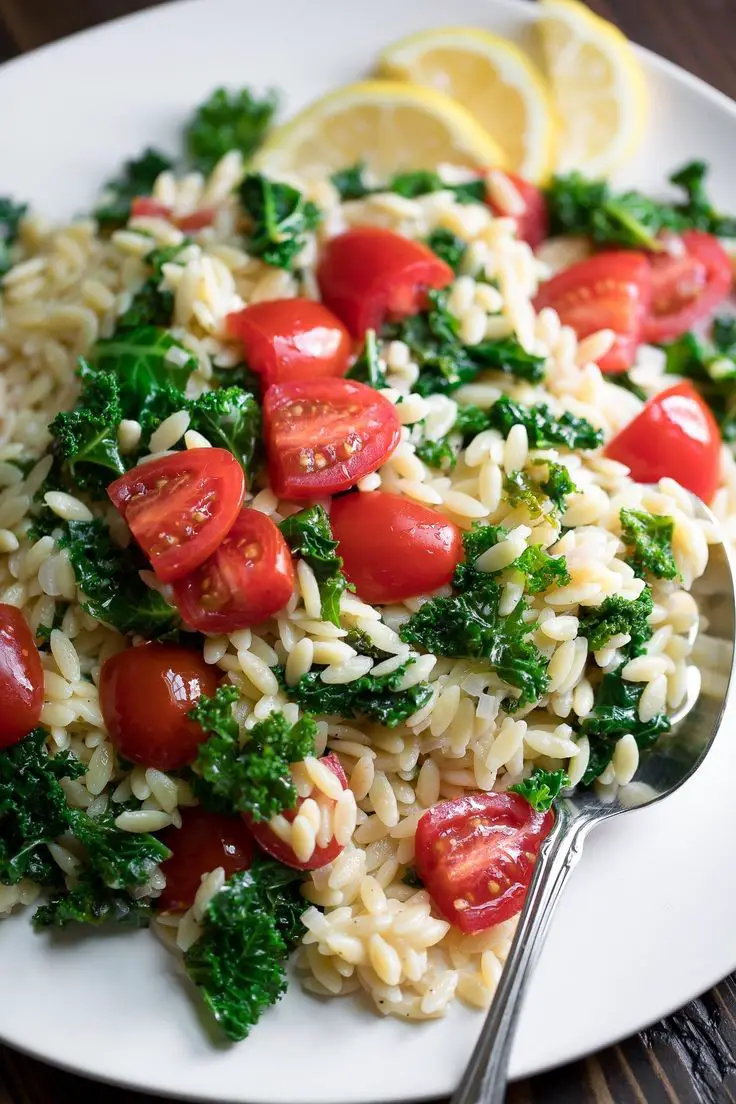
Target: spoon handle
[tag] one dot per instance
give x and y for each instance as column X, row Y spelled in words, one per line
column 484, row 1080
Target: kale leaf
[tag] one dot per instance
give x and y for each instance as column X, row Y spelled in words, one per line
column 351, row 183
column 541, row 570
column 279, row 218
column 149, row 307
column 377, row 697
column 616, row 713
column 228, row 121
column 229, row 418
column 712, row 367
column 253, row 778
column 90, row 901
column 442, row 452
column 149, row 365
column 10, row 217
column 520, row 490
column 558, row 484
column 618, row 615
column 309, row 535
column 448, row 247
column 367, row 367
column 412, row 185
column 119, row 858
column 543, row 428
column 86, row 438
column 542, row 788
column 137, row 178
column 649, row 536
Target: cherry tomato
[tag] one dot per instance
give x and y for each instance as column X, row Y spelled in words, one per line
column 609, row 291
column 146, row 694
column 368, row 276
column 322, row 436
column 21, row 678
column 476, row 855
column 532, row 225
column 249, row 578
column 291, row 339
column 196, row 220
column 204, row 842
column 689, row 280
column 675, row 435
column 273, row 845
column 180, row 508
column 394, row 548
column 148, row 207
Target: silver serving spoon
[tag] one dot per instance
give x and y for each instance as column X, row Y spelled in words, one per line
column 662, row 770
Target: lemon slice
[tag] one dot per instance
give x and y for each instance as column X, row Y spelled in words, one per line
column 392, row 126
column 494, row 80
column 597, row 84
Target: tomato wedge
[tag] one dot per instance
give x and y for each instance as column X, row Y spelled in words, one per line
column 249, row 578
column 146, row 694
column 324, row 435
column 279, row 849
column 675, row 435
column 476, row 855
column 21, row 677
column 148, row 207
column 532, row 225
column 204, row 842
column 689, row 280
column 609, row 291
column 181, row 507
column 394, row 548
column 368, row 276
column 291, row 339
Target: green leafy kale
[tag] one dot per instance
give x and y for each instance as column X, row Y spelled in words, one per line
column 10, row 217
column 90, row 901
column 520, row 490
column 228, row 121
column 86, row 438
column 367, row 367
column 445, row 363
column 229, row 418
column 543, row 428
column 351, row 183
column 119, row 858
column 149, row 366
column 309, row 535
column 616, row 713
column 411, row 878
column 558, row 484
column 542, row 788
column 239, row 960
column 377, row 697
column 137, row 178
column 253, row 778
column 149, row 307
column 541, row 570
column 442, row 452
column 412, row 185
column 448, row 247
column 108, row 577
column 618, row 615
column 649, row 537
column 711, row 364
column 279, row 218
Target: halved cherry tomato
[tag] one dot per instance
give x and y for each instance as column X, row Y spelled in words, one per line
column 609, row 291
column 368, row 276
column 180, row 508
column 204, row 842
column 148, row 207
column 532, row 225
column 273, row 845
column 323, row 436
column 675, row 435
column 146, row 694
column 249, row 578
column 291, row 339
column 21, row 677
column 476, row 855
column 394, row 548
column 196, row 220
column 689, row 280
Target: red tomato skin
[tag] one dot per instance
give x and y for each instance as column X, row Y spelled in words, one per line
column 21, row 678
column 674, row 435
column 249, row 578
column 148, row 207
column 533, row 225
column 168, row 494
column 457, row 843
column 691, row 292
column 196, row 220
column 347, row 422
column 369, row 275
column 291, row 339
column 145, row 695
column 611, row 290
column 269, row 842
column 394, row 548
column 204, row 842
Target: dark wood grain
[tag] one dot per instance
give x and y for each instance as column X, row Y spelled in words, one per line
column 688, row 1058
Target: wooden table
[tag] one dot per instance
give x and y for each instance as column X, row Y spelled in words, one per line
column 691, row 1056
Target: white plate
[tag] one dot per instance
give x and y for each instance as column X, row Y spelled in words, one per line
column 647, row 922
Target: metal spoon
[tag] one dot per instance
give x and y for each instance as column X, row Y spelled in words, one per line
column 671, row 762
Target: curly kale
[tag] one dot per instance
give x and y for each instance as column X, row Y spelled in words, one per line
column 367, row 367
column 279, row 218
column 616, row 713
column 649, row 537
column 149, row 307
column 558, row 484
column 711, row 365
column 150, row 367
column 351, row 183
column 90, row 901
column 618, row 615
column 86, row 438
column 228, row 121
column 377, row 697
column 520, row 490
column 239, row 961
column 137, row 178
column 253, row 778
column 543, row 428
column 442, row 452
column 10, row 218
column 448, row 246
column 542, row 788
column 541, row 570
column 229, row 418
column 309, row 535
